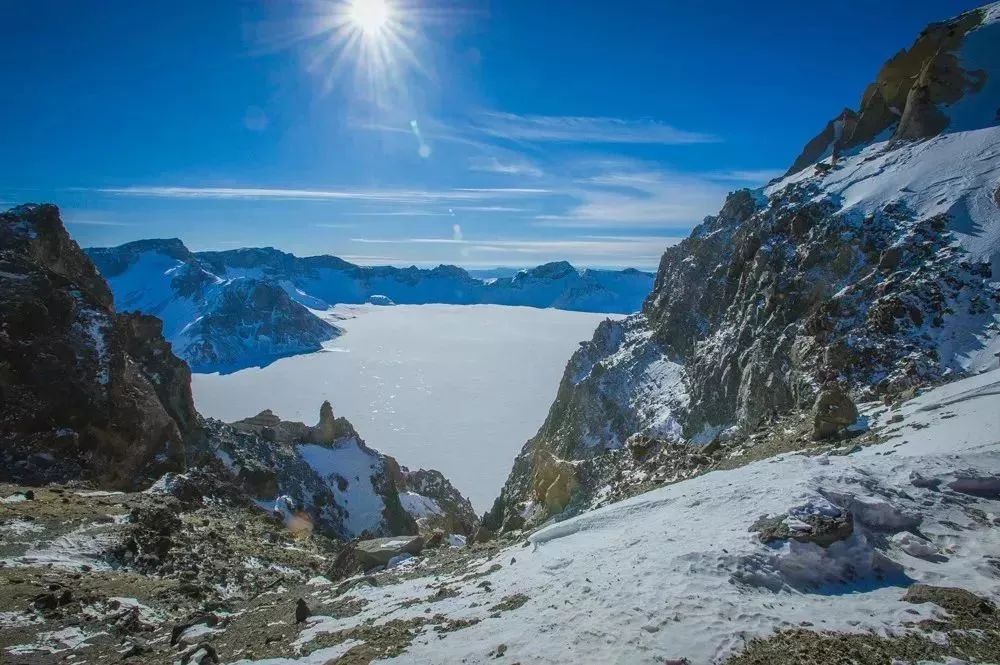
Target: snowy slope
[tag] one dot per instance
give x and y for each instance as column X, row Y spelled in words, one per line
column 348, row 461
column 676, row 573
column 956, row 174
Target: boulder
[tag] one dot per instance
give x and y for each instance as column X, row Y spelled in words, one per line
column 302, row 611
column 481, row 535
column 817, row 528
column 833, row 412
column 435, row 540
column 378, row 551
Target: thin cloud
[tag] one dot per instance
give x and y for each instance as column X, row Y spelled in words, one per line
column 584, row 244
column 96, row 222
column 492, row 164
column 639, row 198
column 403, row 213
column 490, row 209
column 384, row 195
column 585, row 129
column 761, row 176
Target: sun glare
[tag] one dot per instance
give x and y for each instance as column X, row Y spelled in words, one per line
column 371, row 16
column 375, row 44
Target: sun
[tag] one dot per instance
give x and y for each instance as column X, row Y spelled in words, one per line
column 374, row 44
column 369, row 16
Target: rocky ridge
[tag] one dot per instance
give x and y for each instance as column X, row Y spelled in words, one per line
column 215, row 324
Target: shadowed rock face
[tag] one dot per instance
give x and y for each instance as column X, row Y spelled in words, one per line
column 85, row 391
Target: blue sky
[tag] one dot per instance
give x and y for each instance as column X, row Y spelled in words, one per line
column 479, row 133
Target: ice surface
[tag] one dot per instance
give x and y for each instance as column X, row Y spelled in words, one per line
column 454, row 388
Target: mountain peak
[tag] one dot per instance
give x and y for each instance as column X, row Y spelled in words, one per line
column 552, row 270
column 921, row 91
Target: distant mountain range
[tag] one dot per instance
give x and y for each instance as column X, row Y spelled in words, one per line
column 228, row 310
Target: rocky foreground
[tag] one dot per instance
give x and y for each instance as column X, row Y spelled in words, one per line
column 885, row 548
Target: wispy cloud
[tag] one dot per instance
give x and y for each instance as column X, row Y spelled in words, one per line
column 514, row 167
column 490, row 209
column 638, row 196
column 96, row 222
column 402, row 213
column 608, row 250
column 585, row 129
column 749, row 176
column 381, row 195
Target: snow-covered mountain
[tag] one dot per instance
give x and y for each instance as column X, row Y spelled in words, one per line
column 233, row 309
column 870, row 270
column 216, row 323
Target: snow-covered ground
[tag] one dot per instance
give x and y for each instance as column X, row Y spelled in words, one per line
column 450, row 387
column 676, row 573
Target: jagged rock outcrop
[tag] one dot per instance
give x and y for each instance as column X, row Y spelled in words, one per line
column 327, row 477
column 433, row 501
column 876, row 274
column 272, row 428
column 85, row 390
column 905, row 100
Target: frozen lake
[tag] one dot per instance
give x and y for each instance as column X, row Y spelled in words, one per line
column 458, row 388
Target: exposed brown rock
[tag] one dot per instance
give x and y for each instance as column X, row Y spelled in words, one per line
column 326, row 430
column 99, row 393
column 907, row 92
column 833, row 412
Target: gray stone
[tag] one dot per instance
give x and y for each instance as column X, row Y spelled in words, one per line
column 378, row 551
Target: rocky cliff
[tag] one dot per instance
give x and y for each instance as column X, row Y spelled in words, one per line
column 860, row 278
column 910, row 95
column 85, row 390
